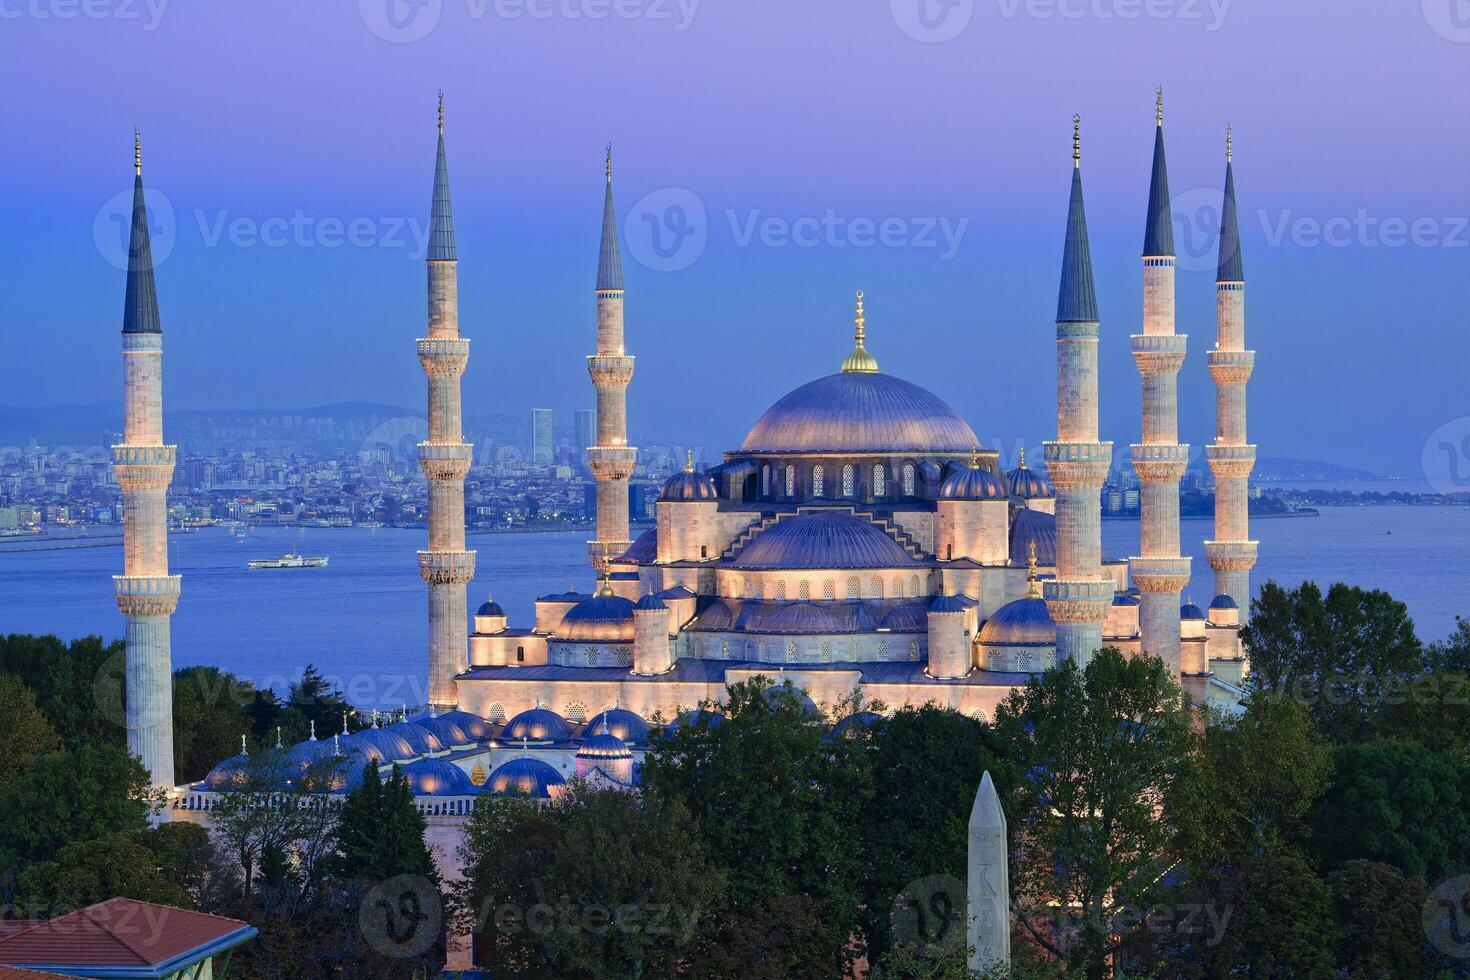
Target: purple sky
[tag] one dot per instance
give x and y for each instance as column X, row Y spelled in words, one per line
column 1350, row 126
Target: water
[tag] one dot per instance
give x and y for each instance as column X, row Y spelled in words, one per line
column 363, row 619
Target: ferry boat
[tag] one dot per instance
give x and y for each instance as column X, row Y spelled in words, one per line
column 289, row 560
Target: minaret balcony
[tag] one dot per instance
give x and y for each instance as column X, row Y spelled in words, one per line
column 611, row 462
column 1231, row 366
column 445, row 460
column 1231, row 556
column 446, row 567
column 1078, row 600
column 143, row 467
column 1074, row 466
column 610, row 370
column 1159, row 353
column 444, row 356
column 1231, row 461
column 1160, row 463
column 147, row 595
column 1153, row 574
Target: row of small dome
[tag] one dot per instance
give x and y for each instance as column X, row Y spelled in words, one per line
column 965, row 483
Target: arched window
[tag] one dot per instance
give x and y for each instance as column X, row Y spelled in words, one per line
column 496, row 713
column 854, row 588
column 848, row 479
column 914, row 586
column 829, row 589
column 790, row 481
column 908, row 479
column 781, row 589
column 791, row 651
column 577, row 711
column 804, row 590
column 766, row 480
column 592, row 657
column 880, row 481
column 897, row 587
column 818, row 481
column 826, row 651
column 913, row 649
column 877, row 587
column 724, row 649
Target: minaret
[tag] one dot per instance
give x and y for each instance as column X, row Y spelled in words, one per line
column 1160, row 573
column 611, row 460
column 146, row 593
column 1231, row 458
column 445, row 457
column 1077, row 463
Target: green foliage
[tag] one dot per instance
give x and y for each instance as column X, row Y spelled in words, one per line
column 775, row 803
column 209, row 718
column 78, row 686
column 1453, row 653
column 91, row 871
column 925, row 764
column 599, row 883
column 1340, row 654
column 380, row 833
column 1432, row 709
column 77, row 794
column 28, row 735
column 1400, row 803
column 1101, row 753
column 312, row 698
column 1381, row 914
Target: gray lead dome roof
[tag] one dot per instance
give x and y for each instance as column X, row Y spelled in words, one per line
column 823, row 539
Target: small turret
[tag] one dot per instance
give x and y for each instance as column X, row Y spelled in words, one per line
column 652, row 651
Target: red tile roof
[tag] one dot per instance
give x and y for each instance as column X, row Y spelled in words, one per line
column 9, row 927
column 117, row 932
column 11, row 973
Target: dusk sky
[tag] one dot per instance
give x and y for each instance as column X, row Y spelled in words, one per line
column 270, row 125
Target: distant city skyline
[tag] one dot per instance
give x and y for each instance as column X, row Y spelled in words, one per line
column 288, row 255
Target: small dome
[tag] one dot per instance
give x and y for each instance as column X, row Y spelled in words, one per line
column 911, row 617
column 1223, row 602
column 1189, row 612
column 698, row 718
column 650, row 603
column 537, row 724
column 228, row 775
column 303, row 755
column 349, row 770
column 602, row 617
column 801, row 617
column 689, row 485
column 1036, row 527
column 948, row 604
column 1024, row 622
column 823, row 539
column 382, row 744
column 438, row 777
column 972, row 483
column 625, row 724
column 525, row 777
column 1027, row 483
column 453, row 728
column 489, row 608
column 643, row 550
column 860, row 719
column 422, row 739
column 602, row 746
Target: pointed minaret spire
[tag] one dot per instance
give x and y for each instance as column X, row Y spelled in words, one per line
column 609, row 260
column 1077, row 299
column 140, row 307
column 441, row 215
column 1158, row 235
column 1231, row 268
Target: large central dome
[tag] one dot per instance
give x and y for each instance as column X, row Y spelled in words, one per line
column 860, row 412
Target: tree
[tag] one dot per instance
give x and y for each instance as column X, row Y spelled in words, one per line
column 28, row 735
column 90, row 871
column 380, row 833
column 312, row 698
column 78, row 686
column 1338, row 653
column 1101, row 753
column 1432, row 709
column 598, row 883
column 1453, row 654
column 774, row 800
column 925, row 765
column 1381, row 911
column 1400, row 803
column 209, row 718
column 77, row 794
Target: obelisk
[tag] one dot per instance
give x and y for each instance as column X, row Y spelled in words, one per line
column 989, row 889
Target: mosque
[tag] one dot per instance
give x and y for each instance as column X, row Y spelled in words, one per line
column 860, row 540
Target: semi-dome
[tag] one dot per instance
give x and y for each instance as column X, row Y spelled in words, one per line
column 603, row 617
column 719, row 616
column 972, row 483
column 910, row 617
column 1036, row 527
column 626, row 725
column 537, row 724
column 438, row 777
column 525, row 777
column 1027, row 483
column 1024, row 622
column 860, row 412
column 643, row 550
column 823, row 539
column 801, row 617
column 689, row 485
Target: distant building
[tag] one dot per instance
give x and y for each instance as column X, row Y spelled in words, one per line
column 541, row 448
column 585, row 432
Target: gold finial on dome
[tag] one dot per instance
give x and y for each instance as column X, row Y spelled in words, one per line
column 441, row 112
column 1159, row 105
column 860, row 361
column 1076, row 142
column 1022, row 464
column 604, row 585
column 688, row 461
column 974, row 457
column 1033, row 591
column 137, row 151
column 1229, row 144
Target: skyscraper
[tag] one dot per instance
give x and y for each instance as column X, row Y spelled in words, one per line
column 541, row 436
column 585, row 432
